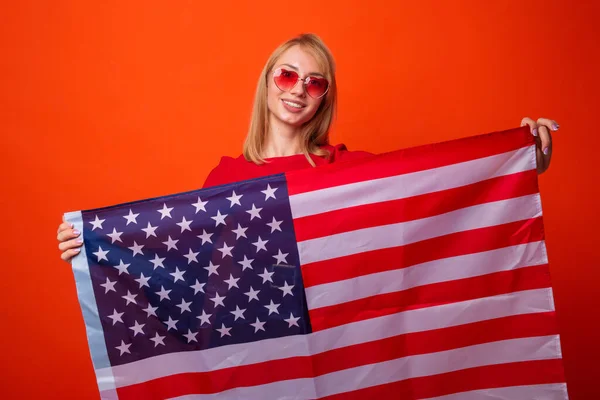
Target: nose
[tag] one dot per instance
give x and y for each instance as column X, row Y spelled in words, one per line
column 298, row 89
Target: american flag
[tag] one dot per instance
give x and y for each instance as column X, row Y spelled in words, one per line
column 415, row 274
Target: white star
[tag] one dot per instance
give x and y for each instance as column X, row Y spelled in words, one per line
column 158, row 339
column 240, row 232
column 171, row 323
column 218, row 300
column 143, row 280
column 225, row 250
column 224, row 330
column 280, row 257
column 171, row 243
column 200, row 205
column 185, row 225
column 246, row 263
column 238, row 313
column 254, row 212
column 252, row 294
column 130, row 297
column 287, row 289
column 101, row 254
column 164, row 294
column 158, row 261
column 150, row 230
column 204, row 318
column 150, row 310
column 292, row 321
column 232, row 282
column 260, row 244
column 116, row 317
column 258, row 326
column 165, row 211
column 177, row 275
column 275, row 225
column 190, row 336
column 212, row 269
column 235, row 199
column 219, row 218
column 131, row 217
column 97, row 223
column 205, row 236
column 198, row 287
column 115, row 236
column 184, row 306
column 122, row 267
column 137, row 328
column 272, row 307
column 109, row 285
column 266, row 276
column 191, row 256
column 123, row 348
column 269, row 192
column 136, row 248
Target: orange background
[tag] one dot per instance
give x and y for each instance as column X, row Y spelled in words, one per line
column 107, row 103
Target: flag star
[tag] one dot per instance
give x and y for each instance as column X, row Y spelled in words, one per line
column 109, row 285
column 218, row 300
column 137, row 328
column 198, row 287
column 136, row 248
column 131, row 217
column 254, row 212
column 240, row 232
column 165, row 211
column 122, row 267
column 177, row 275
column 184, row 306
column 123, row 348
column 269, row 192
column 266, row 276
column 171, row 323
column 280, row 257
column 238, row 313
column 258, row 325
column 158, row 339
column 115, row 236
column 292, row 321
column 287, row 289
column 190, row 336
column 97, row 223
column 200, row 205
column 171, row 243
column 246, row 263
column 225, row 250
column 101, row 254
column 235, row 199
column 158, row 261
column 204, row 318
column 260, row 244
column 130, row 297
column 252, row 294
column 150, row 230
column 191, row 256
column 212, row 269
column 143, row 280
column 219, row 218
column 116, row 317
column 232, row 282
column 272, row 307
column 224, row 330
column 150, row 310
column 275, row 225
column 185, row 225
column 164, row 294
column 205, row 236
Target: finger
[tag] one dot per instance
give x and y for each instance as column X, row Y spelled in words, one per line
column 70, row 244
column 532, row 125
column 63, row 226
column 549, row 123
column 67, row 234
column 546, row 141
column 67, row 255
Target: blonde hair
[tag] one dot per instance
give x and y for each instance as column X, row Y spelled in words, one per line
column 314, row 133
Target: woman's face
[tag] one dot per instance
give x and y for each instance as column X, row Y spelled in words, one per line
column 295, row 107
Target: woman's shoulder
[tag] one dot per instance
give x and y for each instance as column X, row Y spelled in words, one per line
column 339, row 152
column 226, row 171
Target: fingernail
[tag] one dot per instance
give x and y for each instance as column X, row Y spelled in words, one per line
column 76, row 250
column 76, row 232
column 534, row 132
column 546, row 150
column 555, row 127
column 72, row 225
column 79, row 240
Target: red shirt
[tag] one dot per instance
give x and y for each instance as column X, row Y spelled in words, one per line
column 238, row 169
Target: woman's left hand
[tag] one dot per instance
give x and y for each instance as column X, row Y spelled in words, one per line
column 541, row 130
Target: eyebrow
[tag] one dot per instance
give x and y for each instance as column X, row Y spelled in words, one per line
column 310, row 73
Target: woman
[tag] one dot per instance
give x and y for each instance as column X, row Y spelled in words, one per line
column 293, row 110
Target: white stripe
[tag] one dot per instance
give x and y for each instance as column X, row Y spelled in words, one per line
column 399, row 234
column 412, row 184
column 348, row 380
column 442, row 270
column 437, row 317
column 551, row 391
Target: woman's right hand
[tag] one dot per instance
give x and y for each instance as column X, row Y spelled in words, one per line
column 70, row 243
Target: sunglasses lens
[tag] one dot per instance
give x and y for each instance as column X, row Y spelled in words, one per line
column 316, row 87
column 284, row 79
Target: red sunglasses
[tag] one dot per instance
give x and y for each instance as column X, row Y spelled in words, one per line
column 285, row 80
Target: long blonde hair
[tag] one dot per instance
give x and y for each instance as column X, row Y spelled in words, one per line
column 315, row 132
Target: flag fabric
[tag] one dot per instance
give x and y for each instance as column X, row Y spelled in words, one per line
column 415, row 274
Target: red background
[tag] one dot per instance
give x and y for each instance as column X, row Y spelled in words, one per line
column 111, row 102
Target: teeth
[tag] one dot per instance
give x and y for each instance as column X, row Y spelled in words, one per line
column 295, row 105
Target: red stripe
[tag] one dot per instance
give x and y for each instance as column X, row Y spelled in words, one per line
column 417, row 207
column 455, row 244
column 409, row 160
column 521, row 326
column 535, row 277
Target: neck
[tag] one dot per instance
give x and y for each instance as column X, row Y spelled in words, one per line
column 282, row 140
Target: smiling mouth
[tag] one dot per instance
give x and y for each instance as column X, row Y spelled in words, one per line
column 293, row 104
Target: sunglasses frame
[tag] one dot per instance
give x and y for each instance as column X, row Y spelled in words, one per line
column 303, row 80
